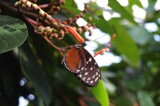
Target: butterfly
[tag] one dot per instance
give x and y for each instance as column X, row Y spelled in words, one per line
column 82, row 64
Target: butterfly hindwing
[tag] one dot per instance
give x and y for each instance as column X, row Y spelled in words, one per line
column 89, row 74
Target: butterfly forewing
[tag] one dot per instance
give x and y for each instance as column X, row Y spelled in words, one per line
column 73, row 60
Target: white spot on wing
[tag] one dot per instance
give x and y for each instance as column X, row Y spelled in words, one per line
column 80, row 75
column 96, row 73
column 96, row 79
column 78, row 71
column 88, row 78
column 90, row 59
column 93, row 76
column 82, row 68
column 99, row 75
column 86, row 73
column 84, row 78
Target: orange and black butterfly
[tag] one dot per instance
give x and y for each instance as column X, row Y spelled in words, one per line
column 82, row 64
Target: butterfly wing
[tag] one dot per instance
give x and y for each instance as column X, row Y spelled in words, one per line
column 73, row 60
column 89, row 73
column 81, row 63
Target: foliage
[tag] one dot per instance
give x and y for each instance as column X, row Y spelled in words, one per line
column 34, row 67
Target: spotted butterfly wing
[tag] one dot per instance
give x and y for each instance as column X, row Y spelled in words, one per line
column 89, row 74
column 81, row 63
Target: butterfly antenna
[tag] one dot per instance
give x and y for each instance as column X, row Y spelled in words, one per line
column 95, row 39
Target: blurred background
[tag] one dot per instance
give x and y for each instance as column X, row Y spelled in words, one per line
column 32, row 74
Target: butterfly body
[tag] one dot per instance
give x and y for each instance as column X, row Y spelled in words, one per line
column 81, row 63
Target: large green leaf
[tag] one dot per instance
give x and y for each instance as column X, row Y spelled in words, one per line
column 104, row 25
column 126, row 46
column 13, row 33
column 145, row 99
column 100, row 93
column 35, row 72
column 120, row 9
column 139, row 34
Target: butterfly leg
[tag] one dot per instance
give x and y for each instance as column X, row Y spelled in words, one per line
column 106, row 49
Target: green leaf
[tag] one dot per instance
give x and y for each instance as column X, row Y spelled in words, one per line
column 104, row 25
column 126, row 46
column 69, row 8
column 135, row 83
column 133, row 2
column 123, row 101
column 120, row 9
column 100, row 93
column 150, row 9
column 13, row 33
column 35, row 72
column 145, row 99
column 139, row 34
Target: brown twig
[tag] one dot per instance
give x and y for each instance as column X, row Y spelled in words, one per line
column 31, row 21
column 54, row 46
